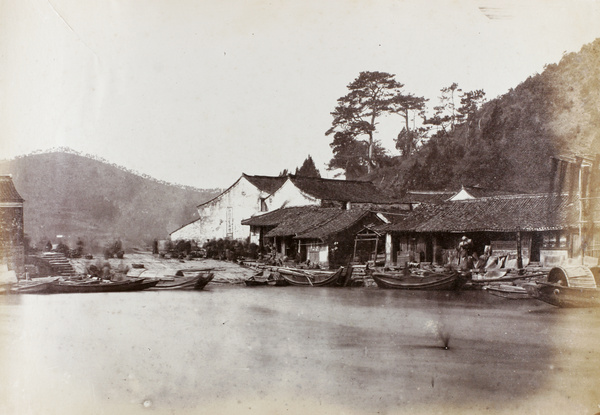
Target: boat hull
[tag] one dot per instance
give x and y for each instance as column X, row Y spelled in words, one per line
column 314, row 279
column 197, row 282
column 31, row 287
column 509, row 292
column 410, row 282
column 64, row 287
column 565, row 297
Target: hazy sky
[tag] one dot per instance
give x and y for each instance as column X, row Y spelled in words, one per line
column 197, row 92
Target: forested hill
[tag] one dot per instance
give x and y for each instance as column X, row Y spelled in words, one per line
column 81, row 197
column 507, row 144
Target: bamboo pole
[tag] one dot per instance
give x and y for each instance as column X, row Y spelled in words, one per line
column 580, row 190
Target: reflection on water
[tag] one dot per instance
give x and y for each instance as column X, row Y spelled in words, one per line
column 233, row 349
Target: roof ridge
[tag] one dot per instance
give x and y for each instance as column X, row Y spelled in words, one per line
column 509, row 196
column 263, row 176
column 293, row 176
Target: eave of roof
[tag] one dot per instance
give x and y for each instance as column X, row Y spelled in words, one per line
column 8, row 191
column 506, row 213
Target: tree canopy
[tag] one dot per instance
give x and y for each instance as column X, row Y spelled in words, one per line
column 370, row 95
column 308, row 168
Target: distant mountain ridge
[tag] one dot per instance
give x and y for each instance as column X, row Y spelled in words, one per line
column 81, row 196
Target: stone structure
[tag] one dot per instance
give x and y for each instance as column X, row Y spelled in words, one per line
column 12, row 252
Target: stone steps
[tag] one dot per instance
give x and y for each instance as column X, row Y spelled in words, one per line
column 60, row 264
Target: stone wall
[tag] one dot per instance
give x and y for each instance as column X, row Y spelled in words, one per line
column 14, row 257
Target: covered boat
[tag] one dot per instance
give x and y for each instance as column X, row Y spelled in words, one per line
column 573, row 286
column 408, row 280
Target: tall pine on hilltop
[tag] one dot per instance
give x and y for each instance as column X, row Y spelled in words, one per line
column 507, row 142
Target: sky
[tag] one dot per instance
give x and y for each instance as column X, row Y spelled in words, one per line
column 199, row 92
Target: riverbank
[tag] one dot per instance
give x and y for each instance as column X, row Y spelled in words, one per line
column 226, row 272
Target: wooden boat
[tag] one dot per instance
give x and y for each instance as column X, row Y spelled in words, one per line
column 512, row 292
column 567, row 287
column 97, row 286
column 266, row 277
column 256, row 281
column 193, row 282
column 32, row 287
column 312, row 278
column 412, row 281
column 503, row 276
column 561, row 296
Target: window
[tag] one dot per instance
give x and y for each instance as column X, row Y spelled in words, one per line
column 230, row 222
column 555, row 240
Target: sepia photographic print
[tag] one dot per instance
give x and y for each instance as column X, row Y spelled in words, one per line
column 299, row 207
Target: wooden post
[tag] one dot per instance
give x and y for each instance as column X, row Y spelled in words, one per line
column 519, row 256
column 388, row 249
column 375, row 257
column 580, row 179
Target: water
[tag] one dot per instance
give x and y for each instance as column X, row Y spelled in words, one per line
column 233, row 349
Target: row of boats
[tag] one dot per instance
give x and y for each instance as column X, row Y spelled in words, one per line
column 94, row 285
column 561, row 286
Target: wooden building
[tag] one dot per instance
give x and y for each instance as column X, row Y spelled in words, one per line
column 544, row 227
column 12, row 252
column 250, row 196
column 321, row 236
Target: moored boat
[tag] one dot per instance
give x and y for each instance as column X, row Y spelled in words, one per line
column 411, row 281
column 512, row 292
column 266, row 277
column 194, row 282
column 567, row 287
column 32, row 286
column 97, row 286
column 312, row 278
column 567, row 297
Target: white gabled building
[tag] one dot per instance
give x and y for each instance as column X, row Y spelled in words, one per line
column 249, row 196
column 221, row 217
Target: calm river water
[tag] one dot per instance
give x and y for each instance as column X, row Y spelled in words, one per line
column 235, row 349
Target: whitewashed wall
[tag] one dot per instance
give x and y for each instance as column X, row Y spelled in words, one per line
column 240, row 201
column 288, row 195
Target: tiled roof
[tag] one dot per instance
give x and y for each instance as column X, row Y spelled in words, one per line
column 339, row 190
column 411, row 220
column 267, row 184
column 304, row 220
column 477, row 191
column 337, row 224
column 417, row 196
column 8, row 192
column 272, row 218
column 498, row 213
column 309, row 222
